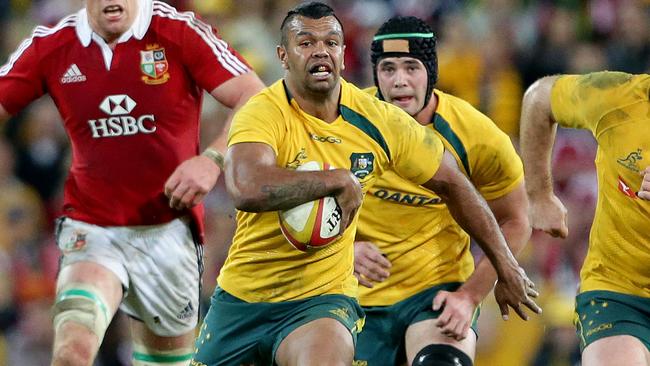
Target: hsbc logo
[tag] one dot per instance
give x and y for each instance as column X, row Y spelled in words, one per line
column 116, row 105
column 120, row 122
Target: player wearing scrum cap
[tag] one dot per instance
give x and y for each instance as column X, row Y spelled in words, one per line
column 422, row 293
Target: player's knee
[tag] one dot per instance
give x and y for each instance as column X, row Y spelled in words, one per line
column 73, row 353
column 441, row 355
column 148, row 356
column 83, row 305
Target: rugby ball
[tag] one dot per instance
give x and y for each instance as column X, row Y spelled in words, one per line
column 313, row 224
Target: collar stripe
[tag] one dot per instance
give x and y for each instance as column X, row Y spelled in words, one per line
column 359, row 121
column 442, row 126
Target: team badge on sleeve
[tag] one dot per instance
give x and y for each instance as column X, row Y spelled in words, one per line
column 154, row 66
column 361, row 164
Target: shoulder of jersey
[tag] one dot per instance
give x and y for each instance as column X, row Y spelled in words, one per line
column 170, row 17
column 265, row 102
column 56, row 36
column 270, row 95
column 456, row 101
column 367, row 97
column 467, row 113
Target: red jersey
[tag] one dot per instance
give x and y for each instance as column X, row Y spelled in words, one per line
column 132, row 114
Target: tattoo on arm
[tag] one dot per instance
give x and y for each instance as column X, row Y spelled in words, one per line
column 290, row 195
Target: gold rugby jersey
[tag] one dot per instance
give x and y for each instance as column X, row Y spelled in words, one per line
column 409, row 223
column 614, row 106
column 369, row 137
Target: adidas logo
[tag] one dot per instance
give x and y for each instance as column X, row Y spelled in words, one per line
column 187, row 312
column 73, row 75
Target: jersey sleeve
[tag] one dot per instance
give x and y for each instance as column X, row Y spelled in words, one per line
column 21, row 79
column 259, row 120
column 211, row 60
column 417, row 150
column 496, row 167
column 582, row 101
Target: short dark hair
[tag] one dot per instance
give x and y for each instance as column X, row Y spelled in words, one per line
column 312, row 10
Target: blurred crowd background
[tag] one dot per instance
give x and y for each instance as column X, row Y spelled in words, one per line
column 490, row 51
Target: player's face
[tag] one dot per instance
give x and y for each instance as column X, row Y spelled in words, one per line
column 111, row 18
column 314, row 53
column 403, row 82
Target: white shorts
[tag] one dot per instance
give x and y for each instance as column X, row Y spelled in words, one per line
column 159, row 266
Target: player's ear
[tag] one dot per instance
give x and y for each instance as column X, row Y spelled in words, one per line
column 282, row 55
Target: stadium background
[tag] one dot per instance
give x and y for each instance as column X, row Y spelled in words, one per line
column 489, row 51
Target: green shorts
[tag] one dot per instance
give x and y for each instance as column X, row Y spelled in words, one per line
column 235, row 332
column 601, row 314
column 382, row 340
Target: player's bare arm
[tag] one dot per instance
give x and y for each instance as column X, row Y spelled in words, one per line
column 257, row 184
column 511, row 213
column 538, row 130
column 195, row 177
column 473, row 214
column 370, row 265
column 233, row 94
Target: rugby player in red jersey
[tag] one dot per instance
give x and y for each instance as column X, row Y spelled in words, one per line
column 127, row 77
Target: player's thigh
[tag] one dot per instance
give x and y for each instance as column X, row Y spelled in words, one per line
column 321, row 330
column 235, row 332
column 612, row 321
column 324, row 341
column 616, row 350
column 87, row 298
column 141, row 334
column 381, row 342
column 152, row 349
column 164, row 284
column 424, row 333
column 90, row 264
column 91, row 275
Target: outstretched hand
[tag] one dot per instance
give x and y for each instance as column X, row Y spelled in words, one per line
column 549, row 215
column 369, row 264
column 191, row 181
column 515, row 290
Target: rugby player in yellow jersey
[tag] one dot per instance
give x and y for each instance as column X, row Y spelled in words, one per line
column 613, row 304
column 273, row 302
column 422, row 298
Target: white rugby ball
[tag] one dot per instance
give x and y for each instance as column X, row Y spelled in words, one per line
column 313, row 224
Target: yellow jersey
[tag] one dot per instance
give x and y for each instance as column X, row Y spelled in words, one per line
column 615, row 107
column 411, row 225
column 369, row 137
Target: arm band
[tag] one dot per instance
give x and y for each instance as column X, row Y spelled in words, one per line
column 214, row 155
